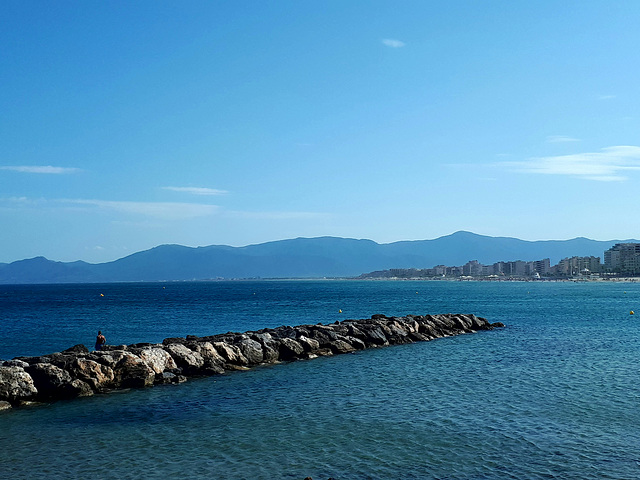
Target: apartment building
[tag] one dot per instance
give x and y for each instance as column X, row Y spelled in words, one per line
column 568, row 267
column 623, row 258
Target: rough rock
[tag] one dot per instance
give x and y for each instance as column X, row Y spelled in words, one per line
column 309, row 345
column 185, row 358
column 213, row 363
column 270, row 348
column 16, row 385
column 15, row 363
column 251, row 350
column 53, row 382
column 290, row 349
column 99, row 377
column 157, row 359
column 341, row 346
column 231, row 354
column 133, row 372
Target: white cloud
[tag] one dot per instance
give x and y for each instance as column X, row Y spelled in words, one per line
column 18, row 199
column 22, row 202
column 153, row 211
column 608, row 165
column 561, row 139
column 197, row 190
column 390, row 42
column 606, row 97
column 164, row 210
column 47, row 169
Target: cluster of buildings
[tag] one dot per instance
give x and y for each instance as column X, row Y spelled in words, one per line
column 623, row 259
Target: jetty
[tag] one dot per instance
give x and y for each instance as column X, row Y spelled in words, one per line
column 78, row 372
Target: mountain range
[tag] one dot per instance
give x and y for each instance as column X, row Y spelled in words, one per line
column 298, row 258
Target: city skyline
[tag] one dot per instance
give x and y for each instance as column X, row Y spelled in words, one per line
column 620, row 259
column 127, row 126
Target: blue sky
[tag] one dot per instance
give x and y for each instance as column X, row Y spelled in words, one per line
column 125, row 125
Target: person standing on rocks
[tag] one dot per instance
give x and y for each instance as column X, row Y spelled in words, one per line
column 100, row 341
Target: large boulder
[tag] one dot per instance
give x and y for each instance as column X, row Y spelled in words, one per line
column 270, row 348
column 16, row 385
column 426, row 326
column 54, row 383
column 157, row 359
column 63, row 360
column 355, row 342
column 132, row 372
column 189, row 361
column 398, row 332
column 106, row 358
column 374, row 336
column 309, row 345
column 251, row 350
column 231, row 354
column 213, row 363
column 341, row 346
column 290, row 349
column 99, row 377
column 323, row 333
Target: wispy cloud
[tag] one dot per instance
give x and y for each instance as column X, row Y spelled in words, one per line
column 164, row 210
column 153, row 211
column 608, row 165
column 46, row 169
column 606, row 97
column 277, row 215
column 561, row 139
column 197, row 190
column 393, row 43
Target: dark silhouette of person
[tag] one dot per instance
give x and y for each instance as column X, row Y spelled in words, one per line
column 100, row 341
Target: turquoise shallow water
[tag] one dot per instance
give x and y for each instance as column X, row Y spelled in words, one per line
column 553, row 395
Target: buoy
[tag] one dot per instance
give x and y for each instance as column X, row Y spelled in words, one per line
column 339, row 311
column 632, row 312
column 102, row 294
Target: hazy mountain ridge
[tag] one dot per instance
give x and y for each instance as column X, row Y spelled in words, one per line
column 298, row 258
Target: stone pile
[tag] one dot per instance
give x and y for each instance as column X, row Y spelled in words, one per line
column 77, row 372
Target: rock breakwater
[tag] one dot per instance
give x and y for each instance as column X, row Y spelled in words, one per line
column 78, row 372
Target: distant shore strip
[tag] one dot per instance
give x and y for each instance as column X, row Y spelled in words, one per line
column 77, row 372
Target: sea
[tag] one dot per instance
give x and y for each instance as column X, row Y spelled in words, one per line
column 553, row 395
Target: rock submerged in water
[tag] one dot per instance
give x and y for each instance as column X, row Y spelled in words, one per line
column 77, row 372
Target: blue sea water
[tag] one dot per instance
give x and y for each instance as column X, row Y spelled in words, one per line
column 554, row 395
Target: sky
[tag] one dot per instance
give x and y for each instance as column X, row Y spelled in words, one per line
column 127, row 125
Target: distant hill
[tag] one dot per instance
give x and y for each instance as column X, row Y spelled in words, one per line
column 298, row 258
